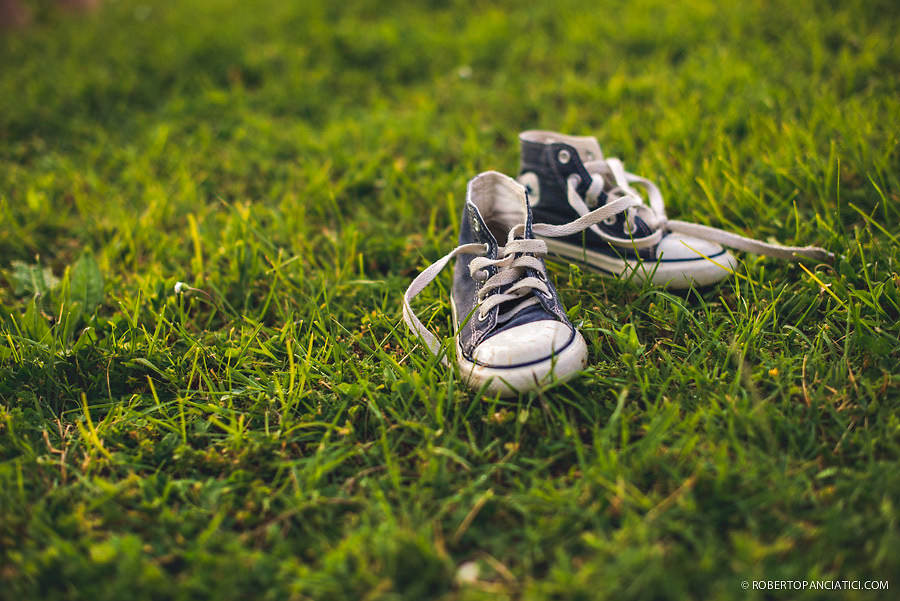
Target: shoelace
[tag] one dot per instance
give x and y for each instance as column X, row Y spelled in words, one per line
column 654, row 215
column 515, row 258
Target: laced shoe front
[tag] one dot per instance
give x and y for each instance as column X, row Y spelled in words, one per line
column 512, row 333
column 569, row 179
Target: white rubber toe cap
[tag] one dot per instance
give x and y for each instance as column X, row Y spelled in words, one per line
column 686, row 261
column 535, row 355
column 525, row 344
column 678, row 247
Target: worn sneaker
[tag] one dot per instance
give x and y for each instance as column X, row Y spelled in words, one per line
column 512, row 333
column 567, row 178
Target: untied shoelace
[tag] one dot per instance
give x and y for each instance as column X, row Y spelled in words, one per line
column 654, row 215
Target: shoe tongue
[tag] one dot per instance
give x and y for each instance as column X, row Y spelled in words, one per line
column 617, row 169
column 497, row 200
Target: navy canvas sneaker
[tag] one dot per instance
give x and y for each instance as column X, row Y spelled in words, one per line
column 512, row 333
column 568, row 179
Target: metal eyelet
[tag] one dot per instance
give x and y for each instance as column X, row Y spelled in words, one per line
column 610, row 220
column 482, row 316
column 563, row 156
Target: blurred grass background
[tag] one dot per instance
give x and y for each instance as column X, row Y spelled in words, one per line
column 273, row 434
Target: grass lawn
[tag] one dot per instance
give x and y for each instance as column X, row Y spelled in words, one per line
column 273, row 432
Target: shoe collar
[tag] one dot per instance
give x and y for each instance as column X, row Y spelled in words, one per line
column 587, row 147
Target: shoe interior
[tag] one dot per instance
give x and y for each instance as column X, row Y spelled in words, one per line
column 501, row 203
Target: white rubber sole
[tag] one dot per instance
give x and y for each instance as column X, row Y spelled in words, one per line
column 510, row 381
column 676, row 275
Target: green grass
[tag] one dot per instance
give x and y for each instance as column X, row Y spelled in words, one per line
column 274, row 433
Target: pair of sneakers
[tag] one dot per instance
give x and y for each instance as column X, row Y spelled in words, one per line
column 512, row 333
